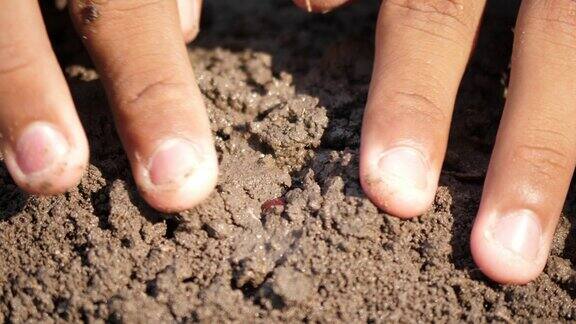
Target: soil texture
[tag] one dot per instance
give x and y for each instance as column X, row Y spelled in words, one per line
column 288, row 235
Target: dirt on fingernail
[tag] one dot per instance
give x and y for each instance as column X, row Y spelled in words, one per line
column 89, row 13
column 288, row 235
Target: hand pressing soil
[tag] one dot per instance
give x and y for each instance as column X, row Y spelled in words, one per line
column 326, row 253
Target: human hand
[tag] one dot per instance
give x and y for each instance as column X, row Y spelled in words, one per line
column 422, row 48
column 421, row 52
column 138, row 49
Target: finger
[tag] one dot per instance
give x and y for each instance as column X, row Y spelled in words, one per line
column 44, row 146
column 535, row 151
column 320, row 5
column 159, row 112
column 422, row 48
column 190, row 12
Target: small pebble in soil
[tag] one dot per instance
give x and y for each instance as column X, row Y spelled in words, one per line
column 273, row 203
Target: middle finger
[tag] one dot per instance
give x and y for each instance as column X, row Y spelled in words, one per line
column 422, row 48
column 159, row 112
column 535, row 150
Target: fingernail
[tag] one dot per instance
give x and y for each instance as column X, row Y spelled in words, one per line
column 39, row 147
column 189, row 18
column 520, row 233
column 173, row 161
column 404, row 170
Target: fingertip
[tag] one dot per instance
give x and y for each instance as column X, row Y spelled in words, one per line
column 190, row 35
column 514, row 255
column 45, row 161
column 398, row 181
column 178, row 176
column 500, row 266
column 188, row 195
column 402, row 204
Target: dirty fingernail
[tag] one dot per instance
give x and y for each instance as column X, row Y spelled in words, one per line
column 519, row 233
column 404, row 170
column 173, row 161
column 39, row 147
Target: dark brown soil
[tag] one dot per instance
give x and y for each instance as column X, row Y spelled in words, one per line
column 288, row 234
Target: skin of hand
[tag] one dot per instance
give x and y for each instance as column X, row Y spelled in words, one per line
column 422, row 48
column 138, row 47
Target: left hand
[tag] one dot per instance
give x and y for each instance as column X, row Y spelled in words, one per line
column 422, row 48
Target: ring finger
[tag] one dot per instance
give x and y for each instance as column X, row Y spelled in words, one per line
column 535, row 151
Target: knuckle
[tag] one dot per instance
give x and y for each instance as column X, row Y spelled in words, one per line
column 418, row 106
column 553, row 22
column 15, row 57
column 543, row 160
column 149, row 88
column 556, row 14
column 436, row 17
